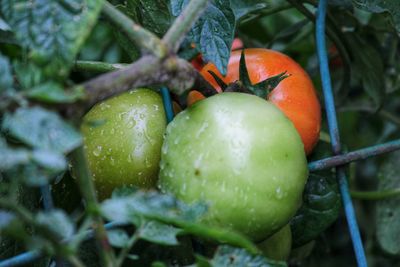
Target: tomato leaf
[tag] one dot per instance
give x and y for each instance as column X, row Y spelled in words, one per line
column 388, row 211
column 58, row 222
column 368, row 68
column 148, row 204
column 214, row 31
column 321, row 204
column 42, row 129
column 154, row 15
column 51, row 92
column 231, row 257
column 159, row 233
column 243, row 7
column 6, row 79
column 379, row 6
column 118, row 238
column 52, row 30
column 12, row 157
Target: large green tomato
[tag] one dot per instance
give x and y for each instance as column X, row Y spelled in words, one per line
column 278, row 246
column 123, row 137
column 242, row 156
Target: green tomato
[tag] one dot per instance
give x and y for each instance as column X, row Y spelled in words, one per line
column 242, row 156
column 123, row 137
column 278, row 246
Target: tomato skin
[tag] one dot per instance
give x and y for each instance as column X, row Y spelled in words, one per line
column 295, row 95
column 124, row 149
column 242, row 156
column 278, row 246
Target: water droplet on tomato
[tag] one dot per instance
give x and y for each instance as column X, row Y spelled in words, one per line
column 279, row 193
column 97, row 151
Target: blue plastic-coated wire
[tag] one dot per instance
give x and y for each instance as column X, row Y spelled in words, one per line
column 334, row 134
column 360, row 154
column 33, row 256
column 46, row 196
column 169, row 112
column 22, row 259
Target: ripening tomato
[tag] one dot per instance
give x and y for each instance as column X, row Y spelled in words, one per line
column 295, row 95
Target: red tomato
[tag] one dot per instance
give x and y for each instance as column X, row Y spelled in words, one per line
column 295, row 95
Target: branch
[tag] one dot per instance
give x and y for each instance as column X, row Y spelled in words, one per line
column 86, row 187
column 175, row 73
column 135, row 33
column 97, row 66
column 183, row 23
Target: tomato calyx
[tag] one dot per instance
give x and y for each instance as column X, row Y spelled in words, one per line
column 244, row 85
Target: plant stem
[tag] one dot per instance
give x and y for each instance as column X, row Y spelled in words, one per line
column 135, row 33
column 183, row 23
column 97, row 66
column 266, row 12
column 375, row 195
column 219, row 234
column 87, row 189
column 75, row 261
column 175, row 73
column 384, row 113
column 124, row 251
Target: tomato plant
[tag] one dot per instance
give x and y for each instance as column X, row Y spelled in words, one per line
column 295, row 95
column 242, row 156
column 123, row 137
column 279, row 245
column 236, row 153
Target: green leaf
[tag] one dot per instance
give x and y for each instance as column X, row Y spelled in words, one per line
column 51, row 92
column 159, row 233
column 32, row 174
column 50, row 160
column 369, row 68
column 28, row 74
column 148, row 204
column 58, row 222
column 243, row 7
column 42, row 129
column 6, row 78
column 154, row 15
column 388, row 210
column 321, row 205
column 53, row 30
column 118, row 238
column 214, row 31
column 234, row 257
column 11, row 157
column 158, row 264
column 379, row 6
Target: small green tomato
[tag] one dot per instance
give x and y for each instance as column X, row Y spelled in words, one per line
column 123, row 137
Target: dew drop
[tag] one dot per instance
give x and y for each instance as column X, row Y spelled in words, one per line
column 97, row 151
